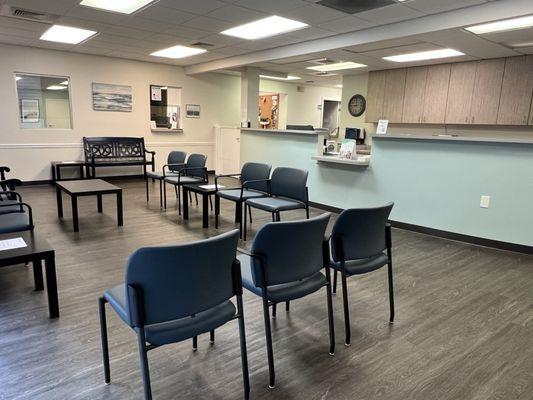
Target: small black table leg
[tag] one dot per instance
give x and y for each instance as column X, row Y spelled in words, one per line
column 99, row 201
column 120, row 212
column 185, row 203
column 81, row 172
column 205, row 210
column 75, row 213
column 59, row 202
column 38, row 274
column 51, row 286
column 54, row 173
column 58, row 170
column 217, row 210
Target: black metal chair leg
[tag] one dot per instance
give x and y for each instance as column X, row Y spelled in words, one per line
column 331, row 324
column 196, row 198
column 147, row 193
column 244, row 353
column 278, row 216
column 250, row 213
column 165, row 194
column 212, row 337
column 160, row 193
column 242, row 223
column 270, row 353
column 335, row 281
column 103, row 334
column 287, row 306
column 195, row 343
column 391, row 293
column 346, row 308
column 274, row 310
column 143, row 352
column 307, row 212
column 273, row 217
column 211, row 203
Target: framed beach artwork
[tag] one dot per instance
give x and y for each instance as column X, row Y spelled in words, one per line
column 108, row 97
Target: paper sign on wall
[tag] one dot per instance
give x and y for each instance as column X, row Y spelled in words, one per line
column 382, row 127
column 156, row 93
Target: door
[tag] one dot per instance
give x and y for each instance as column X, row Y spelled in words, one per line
column 228, row 142
column 331, row 116
column 57, row 113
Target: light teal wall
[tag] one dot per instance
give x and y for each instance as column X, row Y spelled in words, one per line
column 433, row 184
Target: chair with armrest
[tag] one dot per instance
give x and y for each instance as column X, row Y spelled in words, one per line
column 284, row 264
column 288, row 191
column 361, row 243
column 174, row 293
column 253, row 179
column 15, row 219
column 193, row 172
column 175, row 161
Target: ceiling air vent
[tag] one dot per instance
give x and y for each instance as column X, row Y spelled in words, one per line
column 27, row 15
column 202, row 44
column 355, row 6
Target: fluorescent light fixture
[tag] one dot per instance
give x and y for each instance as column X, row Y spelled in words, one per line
column 505, row 25
column 425, row 55
column 178, row 52
column 66, row 34
column 265, row 27
column 119, row 6
column 56, row 87
column 520, row 45
column 18, row 78
column 336, row 66
column 64, row 83
column 281, row 78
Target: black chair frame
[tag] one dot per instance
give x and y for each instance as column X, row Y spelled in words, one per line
column 21, row 204
column 184, row 172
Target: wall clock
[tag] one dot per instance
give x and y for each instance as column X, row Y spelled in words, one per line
column 357, row 105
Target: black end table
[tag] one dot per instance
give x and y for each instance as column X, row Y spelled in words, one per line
column 37, row 249
column 87, row 187
column 57, row 165
column 205, row 190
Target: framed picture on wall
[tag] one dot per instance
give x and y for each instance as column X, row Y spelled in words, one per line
column 108, row 97
column 30, row 110
column 192, row 111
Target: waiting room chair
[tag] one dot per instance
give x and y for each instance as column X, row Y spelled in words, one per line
column 253, row 179
column 194, row 172
column 288, row 191
column 175, row 161
column 360, row 243
column 284, row 264
column 13, row 216
column 174, row 293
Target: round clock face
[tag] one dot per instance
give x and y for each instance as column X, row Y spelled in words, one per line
column 357, row 105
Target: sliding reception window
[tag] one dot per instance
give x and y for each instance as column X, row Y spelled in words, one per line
column 44, row 101
column 165, row 107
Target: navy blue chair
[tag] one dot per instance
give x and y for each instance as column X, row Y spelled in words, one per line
column 284, row 264
column 15, row 215
column 361, row 243
column 174, row 293
column 194, row 172
column 253, row 179
column 288, row 191
column 175, row 162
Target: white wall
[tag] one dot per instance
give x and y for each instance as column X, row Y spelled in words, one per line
column 29, row 152
column 302, row 107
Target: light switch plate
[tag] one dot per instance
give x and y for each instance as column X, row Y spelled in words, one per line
column 485, row 202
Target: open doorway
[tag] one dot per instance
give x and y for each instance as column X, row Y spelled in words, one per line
column 331, row 114
column 272, row 110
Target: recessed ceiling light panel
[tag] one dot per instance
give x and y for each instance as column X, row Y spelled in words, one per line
column 66, row 34
column 265, row 27
column 425, row 55
column 119, row 6
column 500, row 26
column 56, row 87
column 280, row 78
column 337, row 66
column 178, row 52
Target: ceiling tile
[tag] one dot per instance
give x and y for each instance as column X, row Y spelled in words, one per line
column 236, row 15
column 49, row 7
column 314, row 14
column 383, row 44
column 208, row 24
column 347, row 24
column 165, row 14
column 271, row 6
column 389, row 14
column 199, row 7
column 186, row 32
column 96, row 15
column 437, row 6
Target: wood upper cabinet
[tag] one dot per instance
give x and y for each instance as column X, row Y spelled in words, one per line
column 487, row 91
column 459, row 104
column 394, row 95
column 517, row 91
column 415, row 89
column 375, row 95
column 436, row 94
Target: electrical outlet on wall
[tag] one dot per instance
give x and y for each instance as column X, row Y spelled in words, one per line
column 485, row 202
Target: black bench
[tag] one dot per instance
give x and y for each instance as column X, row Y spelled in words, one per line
column 116, row 152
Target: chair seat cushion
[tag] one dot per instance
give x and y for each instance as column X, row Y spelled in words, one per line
column 355, row 267
column 14, row 207
column 14, row 222
column 285, row 291
column 235, row 194
column 184, row 180
column 275, row 204
column 177, row 330
column 159, row 174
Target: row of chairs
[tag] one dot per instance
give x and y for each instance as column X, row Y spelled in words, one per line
column 175, row 293
column 15, row 215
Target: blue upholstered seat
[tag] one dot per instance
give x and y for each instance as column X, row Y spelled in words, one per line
column 184, row 180
column 175, row 330
column 235, row 194
column 283, row 292
column 273, row 204
column 9, row 206
column 15, row 222
column 355, row 267
column 159, row 174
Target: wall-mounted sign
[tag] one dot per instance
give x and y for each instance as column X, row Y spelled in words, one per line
column 192, row 111
column 155, row 93
column 382, row 127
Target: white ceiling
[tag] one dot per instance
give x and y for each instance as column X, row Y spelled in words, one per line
column 185, row 22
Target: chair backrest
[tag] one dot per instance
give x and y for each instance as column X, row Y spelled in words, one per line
column 114, row 148
column 176, row 157
column 289, row 182
column 182, row 280
column 362, row 231
column 289, row 251
column 252, row 171
column 197, row 161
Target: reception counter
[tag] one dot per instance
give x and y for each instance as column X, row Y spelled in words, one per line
column 426, row 179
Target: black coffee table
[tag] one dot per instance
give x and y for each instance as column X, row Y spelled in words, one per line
column 36, row 251
column 205, row 193
column 87, row 187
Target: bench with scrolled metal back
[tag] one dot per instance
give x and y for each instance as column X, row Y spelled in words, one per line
column 116, row 152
